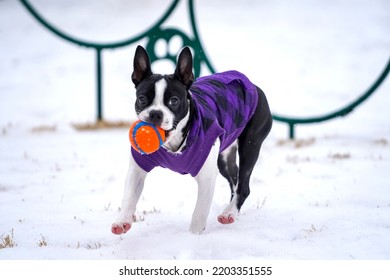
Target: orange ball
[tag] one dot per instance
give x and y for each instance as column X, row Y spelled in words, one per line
column 146, row 138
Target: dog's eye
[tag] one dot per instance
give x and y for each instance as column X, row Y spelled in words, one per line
column 174, row 102
column 142, row 100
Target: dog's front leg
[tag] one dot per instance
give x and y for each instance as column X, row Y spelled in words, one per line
column 133, row 188
column 206, row 185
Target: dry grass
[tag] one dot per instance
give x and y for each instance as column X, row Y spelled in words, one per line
column 94, row 246
column 297, row 159
column 5, row 129
column 101, row 125
column 340, row 156
column 42, row 242
column 89, row 246
column 381, row 142
column 313, row 230
column 107, row 207
column 261, row 205
column 44, row 128
column 7, row 241
column 297, row 143
column 141, row 217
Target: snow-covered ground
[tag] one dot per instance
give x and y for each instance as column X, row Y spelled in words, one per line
column 324, row 196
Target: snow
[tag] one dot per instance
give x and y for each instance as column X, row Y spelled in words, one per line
column 323, row 196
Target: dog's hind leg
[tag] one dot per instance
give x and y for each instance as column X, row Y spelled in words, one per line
column 249, row 144
column 227, row 166
column 248, row 154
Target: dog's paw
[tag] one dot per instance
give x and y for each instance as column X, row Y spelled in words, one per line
column 120, row 228
column 226, row 219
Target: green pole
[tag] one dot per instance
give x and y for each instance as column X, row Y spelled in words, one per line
column 99, row 84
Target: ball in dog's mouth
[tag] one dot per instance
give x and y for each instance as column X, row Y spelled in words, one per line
column 146, row 138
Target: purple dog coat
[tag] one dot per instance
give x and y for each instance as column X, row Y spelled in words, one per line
column 224, row 103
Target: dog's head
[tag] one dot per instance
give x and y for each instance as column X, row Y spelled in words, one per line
column 163, row 100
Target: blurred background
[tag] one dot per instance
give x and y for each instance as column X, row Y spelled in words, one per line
column 309, row 56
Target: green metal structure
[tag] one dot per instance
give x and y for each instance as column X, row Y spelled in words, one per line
column 343, row 111
column 158, row 32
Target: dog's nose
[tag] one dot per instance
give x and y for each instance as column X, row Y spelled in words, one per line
column 156, row 117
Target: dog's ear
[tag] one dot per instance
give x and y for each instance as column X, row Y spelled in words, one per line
column 183, row 70
column 141, row 66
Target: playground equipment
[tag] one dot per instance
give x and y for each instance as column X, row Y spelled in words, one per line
column 157, row 32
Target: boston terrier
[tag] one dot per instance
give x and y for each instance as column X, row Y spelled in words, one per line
column 207, row 122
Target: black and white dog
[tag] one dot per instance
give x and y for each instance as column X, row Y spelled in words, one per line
column 206, row 122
